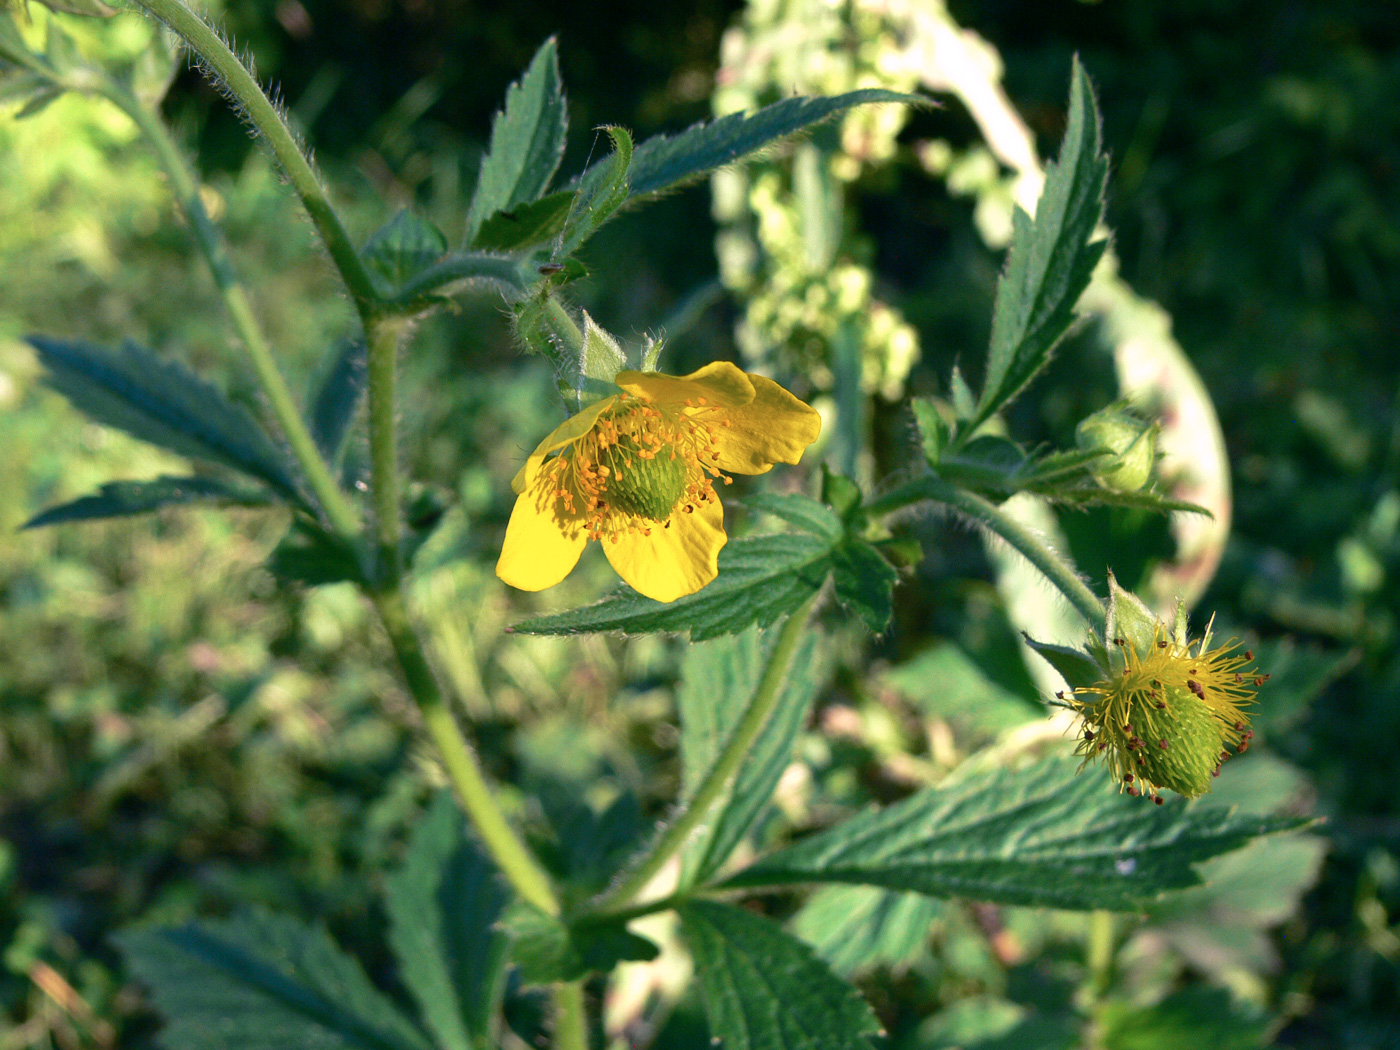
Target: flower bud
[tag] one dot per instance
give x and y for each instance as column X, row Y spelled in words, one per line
column 1129, row 444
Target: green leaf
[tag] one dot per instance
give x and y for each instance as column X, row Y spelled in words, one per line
column 1051, row 258
column 841, row 494
column 547, row 950
column 121, row 499
column 338, row 398
column 802, row 512
column 1040, row 836
column 761, row 580
column 855, row 928
column 945, row 683
column 164, row 403
column 934, row 422
column 600, row 196
column 527, row 224
column 865, row 583
column 262, row 982
column 527, row 141
column 765, row 990
column 718, row 682
column 310, row 555
column 403, row 247
column 90, row 8
column 443, row 904
column 664, row 162
column 1191, row 1017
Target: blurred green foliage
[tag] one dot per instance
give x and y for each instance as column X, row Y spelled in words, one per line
column 177, row 735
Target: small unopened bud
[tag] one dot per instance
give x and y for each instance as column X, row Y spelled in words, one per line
column 1129, row 444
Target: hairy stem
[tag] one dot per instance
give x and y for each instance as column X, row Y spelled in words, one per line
column 384, row 336
column 717, row 780
column 516, row 862
column 268, row 122
column 570, row 1017
column 339, row 511
column 991, row 517
column 461, row 266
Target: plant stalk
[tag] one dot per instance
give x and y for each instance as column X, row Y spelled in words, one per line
column 340, row 512
column 570, row 1017
column 717, row 780
column 383, row 348
column 269, row 123
column 1021, row 539
column 516, row 862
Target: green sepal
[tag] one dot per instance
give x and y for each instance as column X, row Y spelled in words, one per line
column 600, row 360
column 1130, row 619
column 1076, row 667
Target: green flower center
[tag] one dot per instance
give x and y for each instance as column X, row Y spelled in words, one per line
column 647, row 486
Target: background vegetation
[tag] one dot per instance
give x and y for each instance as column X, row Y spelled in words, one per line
column 178, row 736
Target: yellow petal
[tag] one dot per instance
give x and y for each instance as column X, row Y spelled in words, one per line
column 566, row 433
column 674, row 562
column 774, row 427
column 541, row 546
column 720, row 383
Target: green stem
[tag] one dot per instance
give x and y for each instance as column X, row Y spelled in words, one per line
column 570, row 1017
column 339, row 511
column 517, row 864
column 269, row 123
column 716, row 781
column 1100, row 955
column 991, row 517
column 384, row 336
column 460, row 266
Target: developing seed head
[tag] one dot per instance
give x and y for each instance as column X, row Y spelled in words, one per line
column 1170, row 716
column 639, row 464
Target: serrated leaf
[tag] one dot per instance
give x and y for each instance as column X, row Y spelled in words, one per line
column 1051, row 258
column 765, row 990
column 865, row 583
column 598, row 197
column 443, row 904
column 718, row 682
column 122, row 499
column 1040, row 836
column 802, row 512
column 527, row 224
column 841, row 494
column 527, row 141
column 855, row 928
column 547, row 950
column 664, row 162
column 761, row 580
column 164, row 403
column 338, row 398
column 403, row 247
column 262, row 982
column 934, row 426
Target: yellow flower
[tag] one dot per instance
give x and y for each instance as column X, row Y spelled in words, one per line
column 1170, row 715
column 636, row 471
